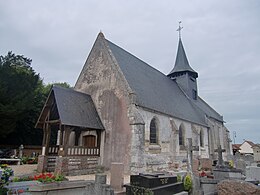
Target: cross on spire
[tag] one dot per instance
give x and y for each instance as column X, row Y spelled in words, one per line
column 179, row 29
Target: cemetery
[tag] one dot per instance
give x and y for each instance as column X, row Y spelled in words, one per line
column 125, row 128
column 202, row 176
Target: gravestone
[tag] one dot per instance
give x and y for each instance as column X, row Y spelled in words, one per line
column 249, row 159
column 117, row 176
column 157, row 184
column 220, row 156
column 241, row 164
column 206, row 164
column 222, row 171
column 194, row 173
column 21, row 151
column 253, row 173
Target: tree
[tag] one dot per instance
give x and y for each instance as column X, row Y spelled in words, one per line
column 47, row 88
column 20, row 98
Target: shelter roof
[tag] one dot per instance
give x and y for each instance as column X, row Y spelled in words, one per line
column 74, row 108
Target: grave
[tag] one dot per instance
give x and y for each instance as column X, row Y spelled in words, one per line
column 222, row 171
column 157, row 183
column 253, row 174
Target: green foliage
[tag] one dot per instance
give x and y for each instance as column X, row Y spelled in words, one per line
column 29, row 160
column 4, row 179
column 48, row 177
column 20, row 101
column 187, row 183
column 22, row 96
column 19, row 179
column 48, row 87
column 178, row 178
column 137, row 190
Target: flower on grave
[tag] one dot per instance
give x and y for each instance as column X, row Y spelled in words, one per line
column 4, row 179
column 6, row 174
column 48, row 177
column 203, row 174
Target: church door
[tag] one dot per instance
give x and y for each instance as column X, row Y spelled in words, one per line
column 89, row 141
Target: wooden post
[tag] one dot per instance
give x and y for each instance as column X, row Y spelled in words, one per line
column 67, row 131
column 77, row 135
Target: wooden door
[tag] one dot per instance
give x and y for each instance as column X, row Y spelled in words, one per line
column 89, row 141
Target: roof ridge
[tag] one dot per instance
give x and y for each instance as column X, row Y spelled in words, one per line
column 69, row 89
column 209, row 106
column 136, row 57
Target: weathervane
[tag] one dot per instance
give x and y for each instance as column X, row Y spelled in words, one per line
column 179, row 29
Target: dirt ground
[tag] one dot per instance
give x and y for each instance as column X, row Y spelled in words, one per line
column 24, row 170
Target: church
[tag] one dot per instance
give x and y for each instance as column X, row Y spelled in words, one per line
column 123, row 110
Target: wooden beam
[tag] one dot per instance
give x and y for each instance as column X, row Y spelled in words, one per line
column 53, row 121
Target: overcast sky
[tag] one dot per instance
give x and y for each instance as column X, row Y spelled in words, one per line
column 221, row 40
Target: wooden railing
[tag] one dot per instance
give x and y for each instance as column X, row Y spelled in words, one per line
column 53, row 150
column 75, row 151
column 83, row 151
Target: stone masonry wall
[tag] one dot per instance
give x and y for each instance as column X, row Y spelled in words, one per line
column 167, row 154
column 102, row 78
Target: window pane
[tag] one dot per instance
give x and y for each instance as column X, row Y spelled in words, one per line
column 153, row 131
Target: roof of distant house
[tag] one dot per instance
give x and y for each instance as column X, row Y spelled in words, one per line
column 236, row 146
column 249, row 142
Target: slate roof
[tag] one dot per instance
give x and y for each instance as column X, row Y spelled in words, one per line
column 156, row 91
column 249, row 142
column 76, row 108
column 182, row 63
column 209, row 111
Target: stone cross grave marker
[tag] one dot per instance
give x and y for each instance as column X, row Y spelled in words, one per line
column 220, row 157
column 190, row 150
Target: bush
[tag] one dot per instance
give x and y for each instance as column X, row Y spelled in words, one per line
column 178, row 178
column 4, row 180
column 187, row 183
column 29, row 160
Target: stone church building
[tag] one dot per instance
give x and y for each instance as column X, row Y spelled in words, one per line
column 124, row 110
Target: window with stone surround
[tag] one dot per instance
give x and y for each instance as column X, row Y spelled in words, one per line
column 153, row 132
column 201, row 138
column 181, row 135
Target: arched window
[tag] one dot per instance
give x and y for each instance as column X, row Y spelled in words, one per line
column 201, row 138
column 181, row 135
column 153, row 131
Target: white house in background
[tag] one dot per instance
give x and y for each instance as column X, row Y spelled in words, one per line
column 246, row 147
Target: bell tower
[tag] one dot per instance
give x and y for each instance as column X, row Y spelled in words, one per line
column 182, row 72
